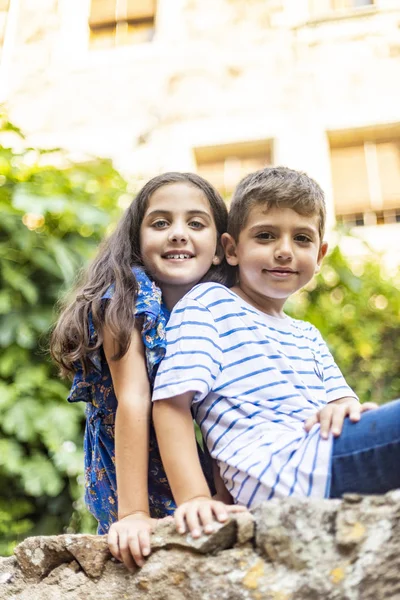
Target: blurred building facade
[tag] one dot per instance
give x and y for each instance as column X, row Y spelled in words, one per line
column 221, row 87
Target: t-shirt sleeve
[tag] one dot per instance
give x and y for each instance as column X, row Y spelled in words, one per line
column 193, row 357
column 335, row 384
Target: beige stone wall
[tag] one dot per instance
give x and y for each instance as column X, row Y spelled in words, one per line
column 215, row 73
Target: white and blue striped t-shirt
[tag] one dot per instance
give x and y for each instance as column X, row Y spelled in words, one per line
column 256, row 380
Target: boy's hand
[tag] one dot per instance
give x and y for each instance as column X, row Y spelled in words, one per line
column 200, row 513
column 129, row 539
column 332, row 416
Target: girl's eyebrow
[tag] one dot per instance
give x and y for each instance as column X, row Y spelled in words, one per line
column 190, row 213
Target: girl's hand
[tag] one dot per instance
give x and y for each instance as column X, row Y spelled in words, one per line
column 200, row 513
column 332, row 416
column 129, row 539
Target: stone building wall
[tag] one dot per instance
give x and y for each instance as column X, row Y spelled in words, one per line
column 215, row 73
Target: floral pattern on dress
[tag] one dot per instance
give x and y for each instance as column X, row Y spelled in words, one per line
column 96, row 389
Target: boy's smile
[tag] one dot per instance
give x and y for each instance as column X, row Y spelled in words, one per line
column 277, row 253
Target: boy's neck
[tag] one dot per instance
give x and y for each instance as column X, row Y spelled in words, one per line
column 270, row 306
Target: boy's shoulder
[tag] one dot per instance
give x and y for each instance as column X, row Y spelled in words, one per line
column 207, row 295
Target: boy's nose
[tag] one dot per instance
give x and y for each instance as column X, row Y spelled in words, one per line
column 284, row 251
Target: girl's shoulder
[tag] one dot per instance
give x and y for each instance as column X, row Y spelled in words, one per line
column 149, row 297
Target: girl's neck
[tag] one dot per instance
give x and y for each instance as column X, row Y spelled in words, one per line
column 172, row 294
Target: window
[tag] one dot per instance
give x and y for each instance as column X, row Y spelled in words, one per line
column 3, row 21
column 121, row 22
column 326, row 7
column 225, row 165
column 366, row 176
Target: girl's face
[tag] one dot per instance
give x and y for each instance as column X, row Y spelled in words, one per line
column 178, row 239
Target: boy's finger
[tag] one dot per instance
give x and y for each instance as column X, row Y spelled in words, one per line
column 206, row 517
column 338, row 416
column 368, row 406
column 144, row 543
column 113, row 545
column 235, row 508
column 192, row 520
column 220, row 512
column 325, row 418
column 179, row 518
column 355, row 413
column 309, row 423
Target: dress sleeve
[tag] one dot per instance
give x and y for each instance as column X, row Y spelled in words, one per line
column 149, row 307
column 193, row 357
column 335, row 384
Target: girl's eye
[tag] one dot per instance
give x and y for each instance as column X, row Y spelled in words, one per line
column 196, row 225
column 303, row 239
column 160, row 224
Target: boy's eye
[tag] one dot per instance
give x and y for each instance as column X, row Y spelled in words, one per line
column 160, row 224
column 302, row 238
column 264, row 235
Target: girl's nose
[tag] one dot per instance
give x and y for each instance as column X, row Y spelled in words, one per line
column 178, row 235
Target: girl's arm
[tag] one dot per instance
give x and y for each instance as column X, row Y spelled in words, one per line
column 177, row 442
column 129, row 538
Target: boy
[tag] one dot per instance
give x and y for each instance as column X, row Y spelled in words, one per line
column 263, row 387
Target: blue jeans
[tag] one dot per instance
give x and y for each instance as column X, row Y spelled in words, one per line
column 366, row 456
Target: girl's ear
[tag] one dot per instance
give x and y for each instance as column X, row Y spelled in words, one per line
column 229, row 246
column 219, row 254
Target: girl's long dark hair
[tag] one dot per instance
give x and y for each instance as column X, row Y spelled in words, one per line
column 70, row 341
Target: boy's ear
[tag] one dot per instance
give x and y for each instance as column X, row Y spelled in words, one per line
column 229, row 246
column 321, row 254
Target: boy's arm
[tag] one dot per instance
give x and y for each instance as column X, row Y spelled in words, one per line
column 177, row 442
column 342, row 401
column 130, row 536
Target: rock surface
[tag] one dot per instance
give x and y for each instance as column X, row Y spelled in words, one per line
column 284, row 550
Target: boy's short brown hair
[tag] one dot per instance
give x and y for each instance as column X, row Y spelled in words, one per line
column 278, row 187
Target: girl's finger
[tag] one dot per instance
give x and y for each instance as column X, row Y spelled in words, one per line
column 338, row 416
column 113, row 544
column 134, row 552
column 325, row 418
column 144, row 542
column 124, row 548
column 180, row 521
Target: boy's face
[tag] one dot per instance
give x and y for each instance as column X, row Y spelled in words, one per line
column 277, row 253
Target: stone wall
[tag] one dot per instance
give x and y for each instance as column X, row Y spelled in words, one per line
column 284, row 550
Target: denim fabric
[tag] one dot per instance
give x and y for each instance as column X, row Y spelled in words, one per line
column 366, row 456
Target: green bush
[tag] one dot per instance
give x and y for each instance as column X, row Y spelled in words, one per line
column 52, row 220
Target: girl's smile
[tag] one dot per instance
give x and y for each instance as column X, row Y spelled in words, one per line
column 178, row 239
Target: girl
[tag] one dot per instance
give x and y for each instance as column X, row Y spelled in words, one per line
column 112, row 339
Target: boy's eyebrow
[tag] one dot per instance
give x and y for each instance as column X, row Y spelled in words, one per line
column 305, row 228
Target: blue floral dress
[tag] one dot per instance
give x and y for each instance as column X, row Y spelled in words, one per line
column 96, row 389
